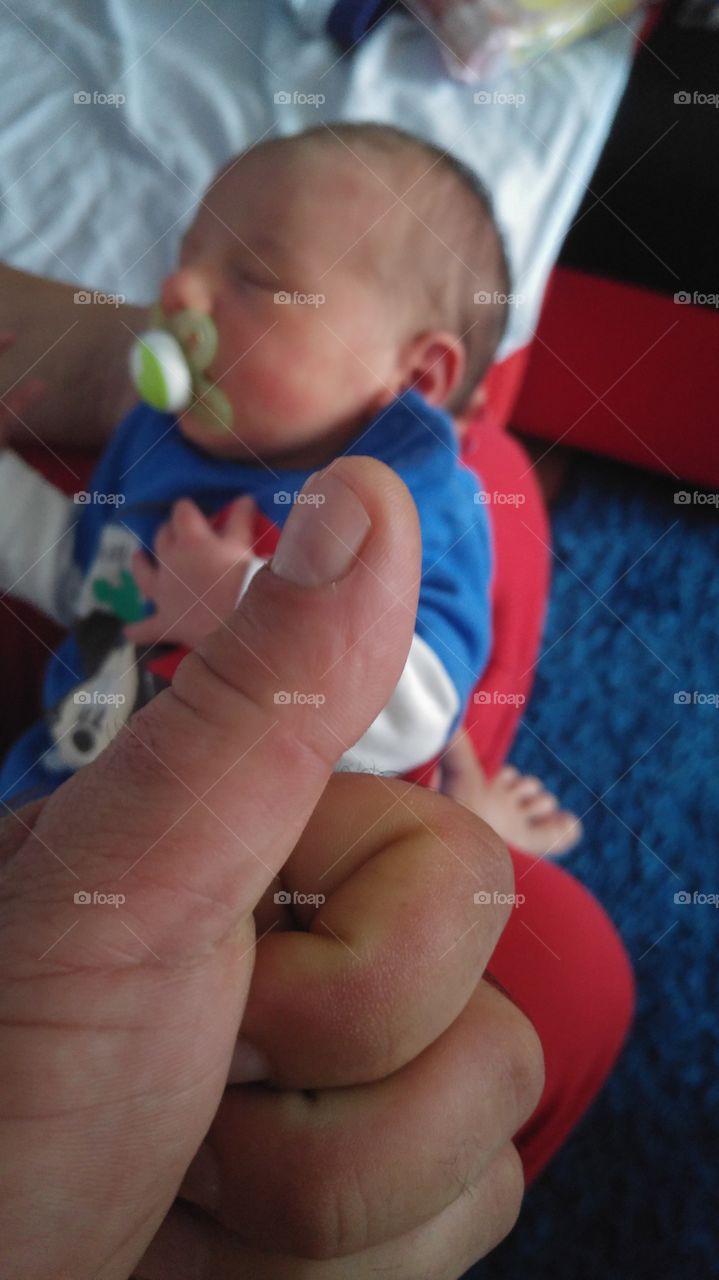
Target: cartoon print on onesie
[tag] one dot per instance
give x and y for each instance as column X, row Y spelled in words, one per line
column 121, row 677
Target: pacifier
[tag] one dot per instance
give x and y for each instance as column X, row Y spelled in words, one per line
column 168, row 363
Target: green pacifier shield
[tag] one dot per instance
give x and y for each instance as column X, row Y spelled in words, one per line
column 150, row 379
column 211, row 404
column 196, row 334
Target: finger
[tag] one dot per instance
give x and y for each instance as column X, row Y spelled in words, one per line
column 188, row 522
column 240, row 522
column 149, row 631
column 144, row 571
column 18, row 401
column 386, row 963
column 165, row 540
column 340, row 1170
column 190, row 1246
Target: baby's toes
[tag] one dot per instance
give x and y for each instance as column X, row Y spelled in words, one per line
column 558, row 833
column 527, row 788
column 540, row 805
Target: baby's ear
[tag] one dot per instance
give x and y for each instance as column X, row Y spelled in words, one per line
column 434, row 364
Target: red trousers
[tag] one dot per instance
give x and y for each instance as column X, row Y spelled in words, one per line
column 559, row 958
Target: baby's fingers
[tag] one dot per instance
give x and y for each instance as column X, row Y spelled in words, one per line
column 145, row 574
column 187, row 522
column 240, row 522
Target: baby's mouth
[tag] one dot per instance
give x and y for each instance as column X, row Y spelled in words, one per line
column 168, row 364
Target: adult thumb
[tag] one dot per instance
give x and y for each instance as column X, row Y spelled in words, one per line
column 206, row 790
column 126, row 928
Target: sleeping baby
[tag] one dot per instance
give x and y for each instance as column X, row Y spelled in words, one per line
column 324, row 304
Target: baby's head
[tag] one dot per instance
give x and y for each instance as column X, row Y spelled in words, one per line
column 340, row 267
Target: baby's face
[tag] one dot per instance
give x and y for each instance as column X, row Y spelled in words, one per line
column 290, row 222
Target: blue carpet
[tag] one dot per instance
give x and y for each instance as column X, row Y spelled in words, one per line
column 634, row 1195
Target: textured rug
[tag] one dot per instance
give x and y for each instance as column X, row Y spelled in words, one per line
column 624, row 725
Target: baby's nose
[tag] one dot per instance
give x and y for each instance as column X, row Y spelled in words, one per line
column 186, row 290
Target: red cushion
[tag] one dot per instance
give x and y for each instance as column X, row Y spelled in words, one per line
column 623, row 371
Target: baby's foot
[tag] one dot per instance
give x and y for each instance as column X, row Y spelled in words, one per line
column 527, row 816
column 516, row 806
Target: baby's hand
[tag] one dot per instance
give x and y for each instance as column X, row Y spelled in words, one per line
column 197, row 575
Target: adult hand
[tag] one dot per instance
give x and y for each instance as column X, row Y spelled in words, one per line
column 79, row 351
column 118, row 1025
column 18, row 397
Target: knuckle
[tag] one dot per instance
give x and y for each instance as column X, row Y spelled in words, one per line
column 504, row 1184
column 524, row 1065
column 479, row 845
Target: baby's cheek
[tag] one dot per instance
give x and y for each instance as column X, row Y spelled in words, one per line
column 290, row 381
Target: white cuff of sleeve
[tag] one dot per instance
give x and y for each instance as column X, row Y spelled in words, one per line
column 37, row 522
column 253, row 567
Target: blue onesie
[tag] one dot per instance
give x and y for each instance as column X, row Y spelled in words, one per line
column 96, row 678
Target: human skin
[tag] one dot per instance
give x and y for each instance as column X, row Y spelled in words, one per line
column 76, row 353
column 300, row 220
column 116, row 1042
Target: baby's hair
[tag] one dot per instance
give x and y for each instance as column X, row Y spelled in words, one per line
column 452, row 249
